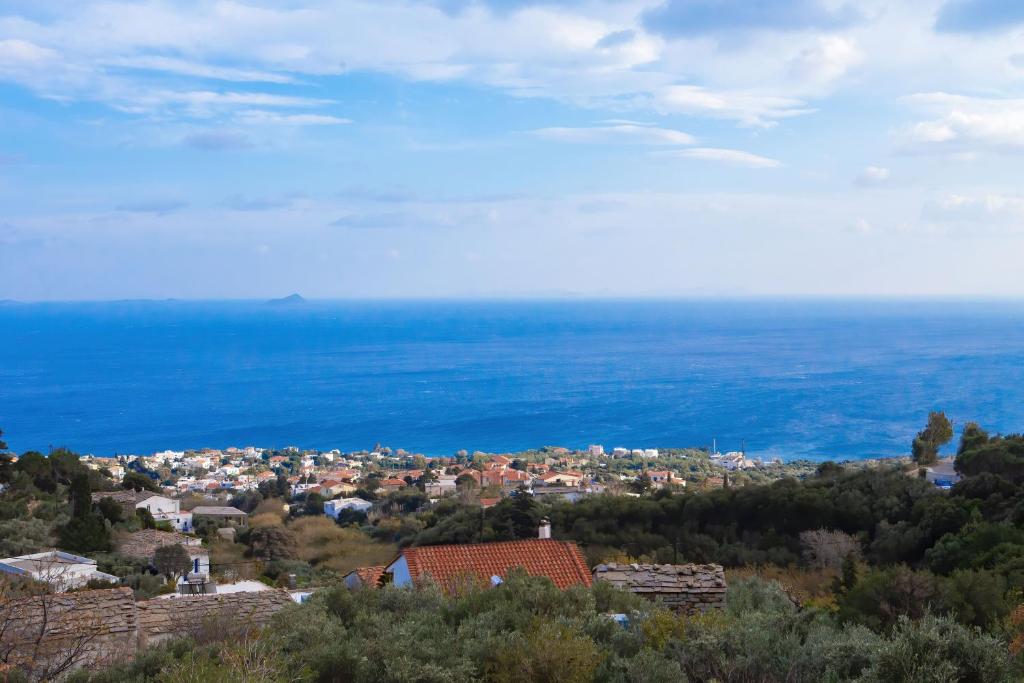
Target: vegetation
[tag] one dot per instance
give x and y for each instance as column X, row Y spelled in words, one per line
column 867, row 573
column 527, row 630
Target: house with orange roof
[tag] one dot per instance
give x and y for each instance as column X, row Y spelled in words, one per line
column 392, row 484
column 364, row 577
column 562, row 478
column 456, row 567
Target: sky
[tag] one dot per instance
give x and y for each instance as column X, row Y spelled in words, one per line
column 510, row 148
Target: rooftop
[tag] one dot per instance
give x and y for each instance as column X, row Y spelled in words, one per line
column 143, row 544
column 663, row 578
column 124, row 497
column 218, row 510
column 369, row 576
column 448, row 565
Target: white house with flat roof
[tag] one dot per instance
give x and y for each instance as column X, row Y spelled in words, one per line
column 332, row 508
column 63, row 571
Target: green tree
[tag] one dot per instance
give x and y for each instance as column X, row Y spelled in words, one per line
column 145, row 518
column 929, row 440
column 973, row 436
column 80, row 497
column 86, row 531
column 172, row 561
column 134, row 481
column 6, row 461
column 111, row 510
column 314, row 504
column 272, row 543
column 641, row 484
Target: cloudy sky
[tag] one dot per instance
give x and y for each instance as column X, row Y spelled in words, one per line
column 395, row 148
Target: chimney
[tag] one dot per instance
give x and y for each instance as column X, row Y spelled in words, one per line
column 545, row 528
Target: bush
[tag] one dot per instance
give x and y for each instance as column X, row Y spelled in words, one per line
column 939, row 649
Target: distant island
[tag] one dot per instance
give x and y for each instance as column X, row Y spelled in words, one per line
column 289, row 300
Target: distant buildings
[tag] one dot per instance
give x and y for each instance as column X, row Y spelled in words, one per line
column 332, row 508
column 162, row 508
column 221, row 514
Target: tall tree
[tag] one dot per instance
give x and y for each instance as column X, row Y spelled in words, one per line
column 6, row 467
column 929, row 440
column 172, row 561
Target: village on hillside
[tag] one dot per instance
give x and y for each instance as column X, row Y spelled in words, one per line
column 171, row 545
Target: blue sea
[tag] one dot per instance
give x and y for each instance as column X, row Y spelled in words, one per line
column 821, row 379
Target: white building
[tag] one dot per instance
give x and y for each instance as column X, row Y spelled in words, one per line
column 650, row 452
column 332, row 508
column 595, row 449
column 63, row 571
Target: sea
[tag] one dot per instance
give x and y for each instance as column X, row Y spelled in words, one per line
column 793, row 379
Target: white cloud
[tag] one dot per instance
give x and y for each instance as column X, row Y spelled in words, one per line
column 827, row 60
column 619, row 133
column 751, row 109
column 191, row 68
column 258, row 116
column 861, row 226
column 977, row 211
column 872, row 176
column 964, row 124
column 14, row 52
column 731, row 157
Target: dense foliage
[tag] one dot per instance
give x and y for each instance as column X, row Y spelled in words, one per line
column 527, row 630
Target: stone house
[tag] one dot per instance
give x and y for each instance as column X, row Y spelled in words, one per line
column 688, row 588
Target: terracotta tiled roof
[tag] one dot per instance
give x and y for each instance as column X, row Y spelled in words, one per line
column 448, row 565
column 370, row 576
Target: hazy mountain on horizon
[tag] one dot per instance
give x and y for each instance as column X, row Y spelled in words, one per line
column 291, row 299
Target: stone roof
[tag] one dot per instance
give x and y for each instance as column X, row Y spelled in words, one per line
column 560, row 561
column 143, row 544
column 124, row 497
column 160, row 619
column 663, row 578
column 215, row 510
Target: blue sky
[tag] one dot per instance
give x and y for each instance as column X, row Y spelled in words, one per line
column 440, row 148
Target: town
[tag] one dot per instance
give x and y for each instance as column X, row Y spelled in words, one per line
column 110, row 562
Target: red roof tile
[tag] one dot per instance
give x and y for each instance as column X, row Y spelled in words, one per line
column 370, row 576
column 560, row 561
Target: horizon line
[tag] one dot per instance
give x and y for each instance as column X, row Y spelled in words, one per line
column 554, row 298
